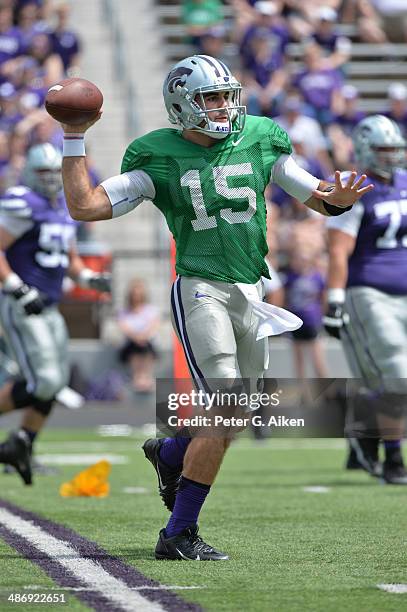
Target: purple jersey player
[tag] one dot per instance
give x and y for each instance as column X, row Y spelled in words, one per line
column 44, row 237
column 37, row 240
column 368, row 258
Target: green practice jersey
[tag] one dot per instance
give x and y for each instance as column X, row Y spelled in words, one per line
column 213, row 197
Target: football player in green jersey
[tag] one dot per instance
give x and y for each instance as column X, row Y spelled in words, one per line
column 208, row 178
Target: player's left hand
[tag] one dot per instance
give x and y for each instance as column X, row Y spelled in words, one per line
column 101, row 281
column 344, row 195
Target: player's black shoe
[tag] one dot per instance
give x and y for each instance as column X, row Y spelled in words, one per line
column 364, row 455
column 168, row 477
column 16, row 451
column 187, row 545
column 394, row 473
column 37, row 468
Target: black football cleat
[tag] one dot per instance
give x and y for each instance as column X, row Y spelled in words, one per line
column 37, row 468
column 394, row 473
column 188, row 546
column 364, row 455
column 16, row 451
column 168, row 477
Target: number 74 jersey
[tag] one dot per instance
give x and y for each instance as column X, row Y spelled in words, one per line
column 213, row 198
column 379, row 224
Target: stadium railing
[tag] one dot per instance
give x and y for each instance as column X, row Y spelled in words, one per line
column 369, row 76
column 122, row 69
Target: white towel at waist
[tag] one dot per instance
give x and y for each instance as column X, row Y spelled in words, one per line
column 273, row 320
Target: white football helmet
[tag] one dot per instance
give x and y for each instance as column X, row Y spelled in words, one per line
column 184, row 90
column 42, row 170
column 371, row 137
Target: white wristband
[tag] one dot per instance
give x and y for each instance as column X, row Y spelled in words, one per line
column 84, row 276
column 12, row 282
column 336, row 295
column 74, row 145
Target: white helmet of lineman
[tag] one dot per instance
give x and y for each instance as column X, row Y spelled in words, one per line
column 184, row 90
column 42, row 170
column 379, row 145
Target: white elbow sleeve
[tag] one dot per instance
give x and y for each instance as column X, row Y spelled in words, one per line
column 296, row 181
column 128, row 190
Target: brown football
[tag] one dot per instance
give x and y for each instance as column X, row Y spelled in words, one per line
column 73, row 101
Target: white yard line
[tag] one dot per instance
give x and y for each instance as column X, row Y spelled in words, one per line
column 81, row 459
column 316, row 489
column 85, row 570
column 280, row 444
column 161, row 587
column 398, row 589
column 135, row 490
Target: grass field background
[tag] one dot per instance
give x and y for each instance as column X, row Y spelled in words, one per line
column 290, row 550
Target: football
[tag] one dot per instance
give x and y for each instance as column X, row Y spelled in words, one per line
column 73, row 101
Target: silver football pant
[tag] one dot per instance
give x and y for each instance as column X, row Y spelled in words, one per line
column 217, row 328
column 375, row 341
column 39, row 344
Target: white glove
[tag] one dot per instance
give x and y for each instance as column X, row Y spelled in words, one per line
column 89, row 279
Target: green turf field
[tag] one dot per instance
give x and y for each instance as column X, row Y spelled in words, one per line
column 290, row 550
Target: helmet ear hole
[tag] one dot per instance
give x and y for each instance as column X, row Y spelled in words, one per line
column 177, row 107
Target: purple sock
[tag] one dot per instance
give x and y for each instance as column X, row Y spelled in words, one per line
column 172, row 451
column 392, row 449
column 392, row 444
column 188, row 503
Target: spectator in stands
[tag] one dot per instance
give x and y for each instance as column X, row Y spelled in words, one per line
column 38, row 127
column 32, row 89
column 269, row 26
column 341, row 128
column 213, row 42
column 51, row 69
column 10, row 37
column 394, row 15
column 10, row 113
column 4, row 161
column 397, row 101
column 363, row 13
column 348, row 114
column 199, row 16
column 318, row 83
column 297, row 124
column 266, row 79
column 335, row 46
column 303, row 289
column 28, row 21
column 325, row 35
column 139, row 323
column 65, row 42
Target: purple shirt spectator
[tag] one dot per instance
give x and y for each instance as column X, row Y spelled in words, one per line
column 10, row 114
column 318, row 86
column 11, row 45
column 275, row 36
column 304, row 296
column 66, row 45
column 324, row 34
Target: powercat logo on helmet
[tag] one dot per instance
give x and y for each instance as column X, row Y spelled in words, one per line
column 175, row 77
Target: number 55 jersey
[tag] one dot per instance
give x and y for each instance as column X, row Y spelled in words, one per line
column 379, row 224
column 213, row 197
column 44, row 234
